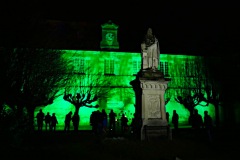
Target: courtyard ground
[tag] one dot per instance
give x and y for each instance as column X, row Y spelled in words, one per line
column 185, row 144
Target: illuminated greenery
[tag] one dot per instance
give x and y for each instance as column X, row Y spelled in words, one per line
column 122, row 68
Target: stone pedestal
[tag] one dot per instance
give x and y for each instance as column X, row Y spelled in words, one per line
column 154, row 122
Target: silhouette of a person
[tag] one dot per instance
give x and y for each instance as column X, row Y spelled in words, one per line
column 54, row 122
column 67, row 121
column 167, row 116
column 136, row 126
column 105, row 120
column 197, row 121
column 40, row 119
column 124, row 124
column 175, row 119
column 208, row 124
column 207, row 120
column 112, row 121
column 48, row 121
column 93, row 122
column 99, row 121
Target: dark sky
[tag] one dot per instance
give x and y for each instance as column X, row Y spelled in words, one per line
column 193, row 28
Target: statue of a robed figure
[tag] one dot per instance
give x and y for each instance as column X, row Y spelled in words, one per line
column 150, row 50
column 150, row 86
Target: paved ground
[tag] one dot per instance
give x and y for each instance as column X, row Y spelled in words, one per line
column 185, row 145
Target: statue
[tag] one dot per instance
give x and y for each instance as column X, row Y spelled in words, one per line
column 150, row 52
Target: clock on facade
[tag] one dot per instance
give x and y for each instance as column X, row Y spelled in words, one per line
column 109, row 38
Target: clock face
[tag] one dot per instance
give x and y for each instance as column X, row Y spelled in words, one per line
column 109, row 37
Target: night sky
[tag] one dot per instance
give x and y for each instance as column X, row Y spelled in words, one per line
column 193, row 28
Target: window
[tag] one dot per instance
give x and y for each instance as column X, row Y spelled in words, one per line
column 189, row 68
column 79, row 65
column 109, row 67
column 164, row 68
column 136, row 66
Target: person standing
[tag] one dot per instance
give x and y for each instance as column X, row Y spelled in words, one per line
column 99, row 121
column 197, row 124
column 175, row 119
column 105, row 120
column 136, row 126
column 167, row 117
column 48, row 121
column 40, row 119
column 197, row 121
column 54, row 122
column 67, row 121
column 112, row 121
column 93, row 122
column 124, row 125
column 208, row 125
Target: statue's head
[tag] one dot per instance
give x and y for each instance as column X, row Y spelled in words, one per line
column 149, row 31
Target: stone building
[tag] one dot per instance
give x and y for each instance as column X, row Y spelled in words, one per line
column 104, row 56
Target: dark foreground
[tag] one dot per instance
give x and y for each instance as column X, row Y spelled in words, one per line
column 185, row 145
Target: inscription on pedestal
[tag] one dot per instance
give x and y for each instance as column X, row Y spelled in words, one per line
column 153, row 106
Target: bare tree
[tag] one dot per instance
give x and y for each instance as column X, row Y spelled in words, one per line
column 83, row 90
column 213, row 86
column 202, row 82
column 223, row 77
column 188, row 83
column 33, row 77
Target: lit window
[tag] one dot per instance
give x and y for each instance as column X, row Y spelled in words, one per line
column 109, row 66
column 164, row 68
column 189, row 68
column 79, row 65
column 136, row 66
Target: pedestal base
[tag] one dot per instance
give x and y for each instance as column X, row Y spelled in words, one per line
column 157, row 132
column 155, row 128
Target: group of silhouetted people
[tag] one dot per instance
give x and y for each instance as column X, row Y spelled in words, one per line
column 197, row 122
column 175, row 119
column 103, row 123
column 98, row 121
column 50, row 121
column 75, row 119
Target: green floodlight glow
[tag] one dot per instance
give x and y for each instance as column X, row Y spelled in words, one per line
column 123, row 67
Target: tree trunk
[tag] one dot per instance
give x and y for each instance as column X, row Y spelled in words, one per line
column 76, row 118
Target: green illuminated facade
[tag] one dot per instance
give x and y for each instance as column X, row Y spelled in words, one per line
column 121, row 68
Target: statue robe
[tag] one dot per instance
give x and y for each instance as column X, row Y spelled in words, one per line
column 150, row 55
